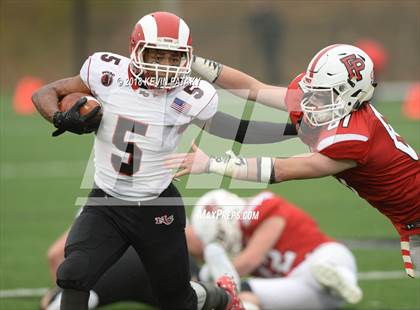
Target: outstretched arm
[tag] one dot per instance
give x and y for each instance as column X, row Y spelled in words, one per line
column 247, row 132
column 236, row 81
column 258, row 169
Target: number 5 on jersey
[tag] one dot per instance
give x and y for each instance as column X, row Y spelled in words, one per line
column 129, row 163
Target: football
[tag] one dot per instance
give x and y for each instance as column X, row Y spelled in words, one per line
column 68, row 101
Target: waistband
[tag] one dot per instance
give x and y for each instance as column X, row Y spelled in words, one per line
column 170, row 196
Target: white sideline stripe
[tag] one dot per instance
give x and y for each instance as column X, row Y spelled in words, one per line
column 24, row 292
column 382, row 275
column 38, row 292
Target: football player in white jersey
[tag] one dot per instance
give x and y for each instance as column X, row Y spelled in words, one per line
column 133, row 202
column 147, row 103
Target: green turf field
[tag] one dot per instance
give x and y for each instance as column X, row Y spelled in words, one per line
column 41, row 177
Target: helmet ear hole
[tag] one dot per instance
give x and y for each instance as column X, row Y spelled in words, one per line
column 357, row 105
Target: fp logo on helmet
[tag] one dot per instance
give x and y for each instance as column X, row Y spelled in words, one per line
column 354, row 66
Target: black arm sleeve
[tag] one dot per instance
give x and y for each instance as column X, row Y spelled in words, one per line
column 249, row 132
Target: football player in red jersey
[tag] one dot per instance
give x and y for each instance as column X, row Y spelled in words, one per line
column 330, row 106
column 292, row 264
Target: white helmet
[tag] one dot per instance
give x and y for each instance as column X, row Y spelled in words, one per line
column 164, row 31
column 215, row 218
column 339, row 79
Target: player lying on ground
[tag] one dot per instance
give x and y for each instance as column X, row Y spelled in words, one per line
column 349, row 139
column 294, row 266
column 147, row 103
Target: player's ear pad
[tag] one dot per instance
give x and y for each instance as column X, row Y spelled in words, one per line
column 73, row 272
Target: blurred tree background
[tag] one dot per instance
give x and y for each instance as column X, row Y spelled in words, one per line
column 51, row 39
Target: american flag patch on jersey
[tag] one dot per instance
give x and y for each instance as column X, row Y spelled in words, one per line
column 180, row 106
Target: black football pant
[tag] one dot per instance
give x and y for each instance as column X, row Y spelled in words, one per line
column 108, row 226
column 127, row 280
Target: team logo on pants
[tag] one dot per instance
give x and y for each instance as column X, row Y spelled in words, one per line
column 164, row 219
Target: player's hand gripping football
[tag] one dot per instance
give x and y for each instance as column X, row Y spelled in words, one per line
column 72, row 121
column 195, row 162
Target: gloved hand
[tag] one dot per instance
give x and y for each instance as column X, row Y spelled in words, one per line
column 72, row 120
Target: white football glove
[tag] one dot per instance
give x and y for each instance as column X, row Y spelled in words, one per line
column 208, row 69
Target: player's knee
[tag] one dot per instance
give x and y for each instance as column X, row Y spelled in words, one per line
column 73, row 272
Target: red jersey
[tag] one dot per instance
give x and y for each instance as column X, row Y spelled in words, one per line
column 299, row 237
column 388, row 171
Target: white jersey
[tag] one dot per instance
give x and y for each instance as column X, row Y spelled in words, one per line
column 139, row 127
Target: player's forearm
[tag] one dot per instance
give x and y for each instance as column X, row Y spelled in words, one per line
column 47, row 97
column 46, row 101
column 308, row 166
column 264, row 169
column 286, row 169
column 240, row 83
column 245, row 265
column 249, row 132
column 236, row 82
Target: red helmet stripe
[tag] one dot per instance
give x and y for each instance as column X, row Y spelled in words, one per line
column 168, row 24
column 318, row 57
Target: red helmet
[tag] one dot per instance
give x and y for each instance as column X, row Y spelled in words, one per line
column 165, row 31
